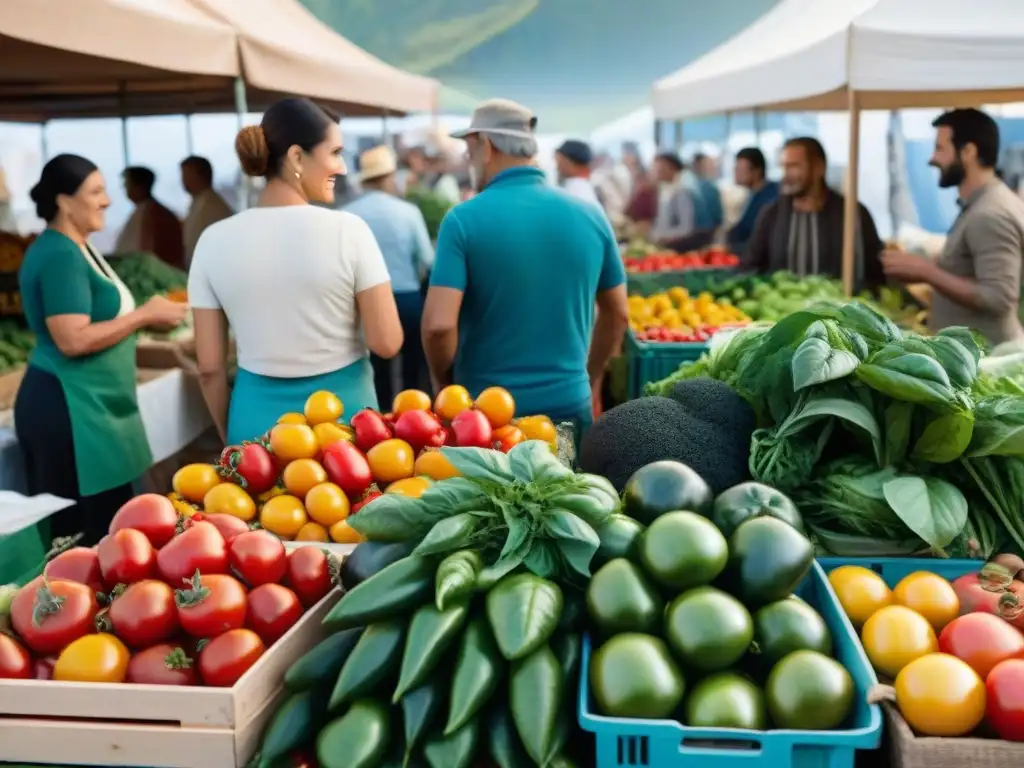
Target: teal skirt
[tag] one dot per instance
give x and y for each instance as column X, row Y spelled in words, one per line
column 257, row 402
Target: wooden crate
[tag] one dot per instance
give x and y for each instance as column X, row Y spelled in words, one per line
column 907, row 750
column 151, row 725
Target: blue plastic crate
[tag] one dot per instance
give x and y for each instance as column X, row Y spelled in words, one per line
column 647, row 362
column 893, row 569
column 625, row 743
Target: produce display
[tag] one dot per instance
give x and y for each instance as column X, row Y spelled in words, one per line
column 675, row 316
column 432, row 205
column 644, row 257
column 16, row 342
column 145, row 275
column 160, row 600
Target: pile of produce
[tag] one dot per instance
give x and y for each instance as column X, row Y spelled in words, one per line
column 432, row 205
column 675, row 316
column 160, row 601
column 955, row 652
column 459, row 634
column 642, row 257
column 699, row 621
column 890, row 442
column 309, row 473
column 146, row 276
column 16, row 342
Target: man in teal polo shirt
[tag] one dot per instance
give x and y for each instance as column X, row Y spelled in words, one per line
column 517, row 273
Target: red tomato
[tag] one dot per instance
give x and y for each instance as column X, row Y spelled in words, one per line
column 472, row 430
column 1005, row 699
column 42, row 669
column 982, row 640
column 228, row 525
column 258, row 557
column 81, row 564
column 144, row 614
column 212, row 605
column 508, row 437
column 200, row 547
column 347, row 467
column 273, row 610
column 369, row 429
column 163, row 664
column 371, row 493
column 125, row 556
column 309, row 574
column 47, row 615
column 15, row 662
column 420, row 429
column 249, row 465
column 150, row 513
column 223, row 660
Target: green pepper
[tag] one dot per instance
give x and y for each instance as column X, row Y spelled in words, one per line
column 292, row 725
column 376, row 655
column 420, row 711
column 322, row 662
column 456, row 750
column 456, row 577
column 592, row 508
column 430, row 633
column 503, row 742
column 535, row 693
column 566, row 647
column 523, row 610
column 358, row 739
column 403, row 586
column 478, row 671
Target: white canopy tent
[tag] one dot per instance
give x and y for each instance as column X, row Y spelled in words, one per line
column 857, row 54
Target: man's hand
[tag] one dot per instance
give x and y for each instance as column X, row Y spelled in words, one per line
column 906, row 267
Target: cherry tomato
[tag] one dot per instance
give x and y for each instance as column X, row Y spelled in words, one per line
column 508, row 437
column 15, row 661
column 223, row 660
column 125, row 556
column 99, row 658
column 1005, row 699
column 164, row 664
column 81, row 564
column 228, row 525
column 420, row 429
column 258, row 557
column 982, row 640
column 309, row 574
column 200, row 547
column 273, row 610
column 372, row 493
column 249, row 465
column 472, row 430
column 369, row 428
column 48, row 615
column 144, row 614
column 42, row 668
column 211, row 605
column 150, row 513
column 347, row 467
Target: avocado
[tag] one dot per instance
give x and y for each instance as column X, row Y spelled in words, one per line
column 767, row 561
column 665, row 486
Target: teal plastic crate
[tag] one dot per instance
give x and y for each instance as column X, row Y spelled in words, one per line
column 22, row 554
column 647, row 362
column 892, row 569
column 625, row 743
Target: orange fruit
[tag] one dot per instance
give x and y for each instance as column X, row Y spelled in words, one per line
column 229, row 499
column 322, row 407
column 413, row 487
column 537, row 428
column 312, row 532
column 434, row 465
column 292, row 418
column 301, row 475
column 328, row 433
column 391, row 460
column 410, row 400
column 451, row 401
column 343, row 533
column 508, row 437
column 327, row 504
column 284, row 516
column 497, row 405
column 192, row 481
column 289, row 442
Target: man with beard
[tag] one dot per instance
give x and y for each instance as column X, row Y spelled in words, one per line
column 750, row 171
column 517, row 272
column 802, row 231
column 976, row 280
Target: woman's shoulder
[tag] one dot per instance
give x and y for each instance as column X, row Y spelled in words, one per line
column 50, row 249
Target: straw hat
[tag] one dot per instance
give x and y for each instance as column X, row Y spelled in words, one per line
column 376, row 162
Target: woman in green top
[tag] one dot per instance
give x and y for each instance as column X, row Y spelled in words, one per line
column 76, row 416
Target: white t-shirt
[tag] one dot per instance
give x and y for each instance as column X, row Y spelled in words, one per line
column 287, row 279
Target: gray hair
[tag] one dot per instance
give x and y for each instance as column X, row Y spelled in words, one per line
column 514, row 146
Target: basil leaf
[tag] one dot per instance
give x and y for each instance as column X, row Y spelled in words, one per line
column 518, row 531
column 392, row 517
column 543, row 559
column 914, row 344
column 967, row 338
column 503, row 566
column 816, row 362
column 899, row 417
column 851, row 412
column 454, row 495
column 524, row 458
column 576, row 540
column 452, row 533
column 523, row 611
column 998, row 427
column 912, row 378
column 792, row 328
column 480, row 464
column 933, row 509
column 859, row 317
column 857, row 344
column 956, row 359
column 945, row 438
column 816, row 330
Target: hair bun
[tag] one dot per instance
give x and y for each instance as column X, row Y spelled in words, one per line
column 252, row 150
column 36, row 193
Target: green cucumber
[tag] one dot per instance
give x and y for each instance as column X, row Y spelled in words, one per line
column 322, row 662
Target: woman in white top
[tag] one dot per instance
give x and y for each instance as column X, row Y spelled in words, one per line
column 303, row 288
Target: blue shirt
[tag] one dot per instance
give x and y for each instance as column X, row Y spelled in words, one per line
column 743, row 230
column 530, row 261
column 401, row 233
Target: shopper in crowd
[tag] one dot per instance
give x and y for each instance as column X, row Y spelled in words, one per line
column 402, row 235
column 518, row 271
column 802, row 231
column 76, row 415
column 304, row 288
column 976, row 280
column 429, row 170
column 674, row 222
column 750, row 171
column 207, row 206
column 152, row 226
column 642, row 207
column 572, row 161
column 710, row 215
column 612, row 183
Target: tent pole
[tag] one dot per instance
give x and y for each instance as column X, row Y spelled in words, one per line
column 190, row 142
column 242, row 109
column 850, row 208
column 757, row 127
column 728, row 134
column 678, row 140
column 657, row 135
column 125, row 154
column 44, row 147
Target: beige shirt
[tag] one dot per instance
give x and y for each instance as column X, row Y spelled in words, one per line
column 207, row 208
column 985, row 244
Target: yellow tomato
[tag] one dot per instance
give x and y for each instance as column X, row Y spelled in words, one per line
column 99, row 658
column 433, row 464
column 413, row 487
column 301, row 475
column 931, row 596
column 229, row 499
column 894, row 636
column 327, row 504
column 391, row 460
column 322, row 407
column 410, row 400
column 292, row 418
column 192, row 481
column 940, row 695
column 289, row 442
column 497, row 405
column 861, row 592
column 284, row 516
column 343, row 533
column 451, row 401
column 181, row 506
column 537, row 428
column 329, row 433
column 312, row 532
